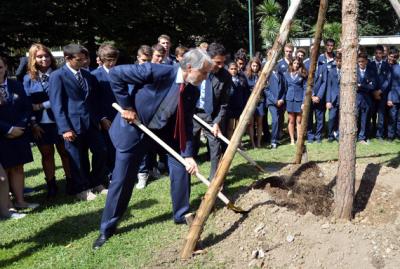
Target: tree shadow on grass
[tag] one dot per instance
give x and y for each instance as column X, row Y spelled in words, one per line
column 394, row 162
column 73, row 228
column 366, row 187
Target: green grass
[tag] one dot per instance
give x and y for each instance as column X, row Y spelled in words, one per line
column 60, row 234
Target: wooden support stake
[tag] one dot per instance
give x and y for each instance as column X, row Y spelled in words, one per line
column 346, row 175
column 396, row 6
column 209, row 198
column 323, row 6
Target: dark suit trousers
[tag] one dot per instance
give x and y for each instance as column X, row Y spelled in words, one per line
column 363, row 114
column 78, row 151
column 319, row 111
column 333, row 123
column 276, row 115
column 214, row 144
column 124, row 177
column 110, row 152
column 394, row 122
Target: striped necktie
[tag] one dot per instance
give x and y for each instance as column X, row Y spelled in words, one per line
column 81, row 81
column 3, row 94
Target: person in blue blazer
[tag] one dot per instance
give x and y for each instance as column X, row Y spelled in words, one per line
column 328, row 56
column 275, row 101
column 74, row 97
column 238, row 95
column 393, row 101
column 332, row 98
column 283, row 64
column 366, row 84
column 108, row 55
column 44, row 129
column 252, row 74
column 15, row 150
column 295, row 84
column 379, row 96
column 165, row 103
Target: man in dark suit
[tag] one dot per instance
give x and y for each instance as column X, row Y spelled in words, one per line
column 212, row 104
column 164, row 102
column 165, row 41
column 108, row 55
column 379, row 96
column 73, row 94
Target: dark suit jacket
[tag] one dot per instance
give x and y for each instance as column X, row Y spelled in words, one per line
column 394, row 93
column 151, row 82
column 295, row 88
column 221, row 83
column 74, row 109
column 17, row 111
column 368, row 84
column 382, row 79
column 333, row 87
column 107, row 95
column 275, row 89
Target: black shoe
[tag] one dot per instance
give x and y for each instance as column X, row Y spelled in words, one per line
column 100, row 241
column 52, row 188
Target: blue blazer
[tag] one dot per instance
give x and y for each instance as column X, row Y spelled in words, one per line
column 383, row 78
column 323, row 60
column 37, row 94
column 106, row 93
column 152, row 83
column 73, row 108
column 320, row 80
column 17, row 110
column 275, row 90
column 295, row 88
column 333, row 87
column 394, row 93
column 282, row 66
column 368, row 85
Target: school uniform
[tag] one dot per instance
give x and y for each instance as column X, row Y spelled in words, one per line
column 295, row 91
column 107, row 99
column 37, row 92
column 379, row 109
column 316, row 119
column 14, row 111
column 333, row 97
column 282, row 66
column 74, row 98
column 211, row 107
column 156, row 104
column 275, row 91
column 238, row 96
column 394, row 96
column 366, row 80
column 169, row 60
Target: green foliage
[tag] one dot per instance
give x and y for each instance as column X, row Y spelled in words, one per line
column 331, row 30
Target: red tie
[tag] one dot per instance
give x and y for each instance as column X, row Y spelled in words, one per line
column 180, row 120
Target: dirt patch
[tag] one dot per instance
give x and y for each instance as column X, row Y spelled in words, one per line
column 294, row 230
column 304, row 191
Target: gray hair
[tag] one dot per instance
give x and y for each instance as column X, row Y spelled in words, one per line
column 196, row 58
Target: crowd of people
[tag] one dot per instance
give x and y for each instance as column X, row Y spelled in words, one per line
column 68, row 109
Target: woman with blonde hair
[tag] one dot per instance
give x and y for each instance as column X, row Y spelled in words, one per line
column 44, row 129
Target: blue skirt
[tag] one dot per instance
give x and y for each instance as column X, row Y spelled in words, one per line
column 50, row 136
column 260, row 109
column 14, row 152
column 293, row 106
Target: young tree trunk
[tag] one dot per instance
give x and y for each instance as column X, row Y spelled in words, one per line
column 396, row 6
column 323, row 6
column 209, row 198
column 348, row 117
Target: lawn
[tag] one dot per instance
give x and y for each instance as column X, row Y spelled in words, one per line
column 59, row 234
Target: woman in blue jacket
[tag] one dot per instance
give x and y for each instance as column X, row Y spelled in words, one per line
column 252, row 74
column 295, row 82
column 15, row 150
column 44, row 129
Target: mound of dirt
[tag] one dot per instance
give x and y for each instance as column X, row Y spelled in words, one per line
column 289, row 225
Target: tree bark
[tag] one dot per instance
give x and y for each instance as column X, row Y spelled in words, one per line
column 323, row 6
column 348, row 114
column 396, row 6
column 209, row 198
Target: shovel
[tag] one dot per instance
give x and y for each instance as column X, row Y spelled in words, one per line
column 177, row 156
column 226, row 140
